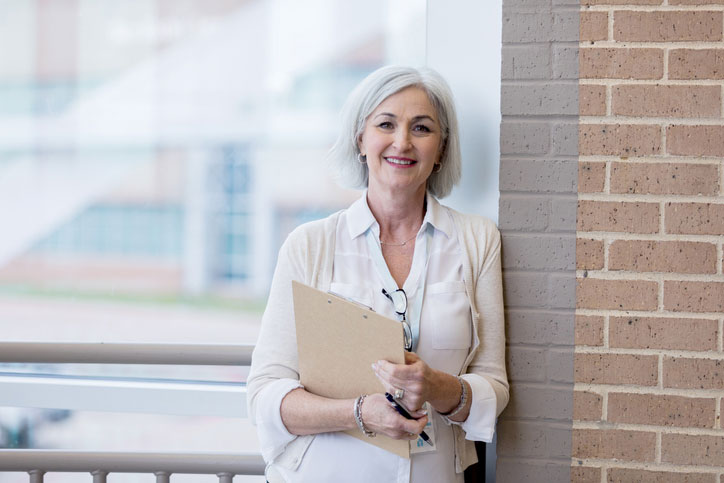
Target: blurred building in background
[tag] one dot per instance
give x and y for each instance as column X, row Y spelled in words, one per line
column 168, row 146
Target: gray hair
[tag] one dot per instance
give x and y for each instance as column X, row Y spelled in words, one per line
column 369, row 94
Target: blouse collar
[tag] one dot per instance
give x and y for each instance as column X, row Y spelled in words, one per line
column 360, row 218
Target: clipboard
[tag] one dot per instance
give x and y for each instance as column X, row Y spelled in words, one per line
column 338, row 341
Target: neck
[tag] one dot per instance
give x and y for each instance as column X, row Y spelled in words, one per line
column 399, row 215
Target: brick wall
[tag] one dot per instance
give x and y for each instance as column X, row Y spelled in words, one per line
column 537, row 218
column 649, row 364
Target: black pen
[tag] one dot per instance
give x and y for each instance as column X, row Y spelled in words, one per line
column 406, row 415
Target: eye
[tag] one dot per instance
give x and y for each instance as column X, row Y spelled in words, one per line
column 421, row 128
column 385, row 125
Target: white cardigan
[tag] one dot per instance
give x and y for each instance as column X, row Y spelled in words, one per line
column 307, row 256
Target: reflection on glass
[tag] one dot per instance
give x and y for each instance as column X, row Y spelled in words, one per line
column 155, row 154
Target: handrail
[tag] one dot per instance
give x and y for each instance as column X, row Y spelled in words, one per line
column 129, row 462
column 126, row 353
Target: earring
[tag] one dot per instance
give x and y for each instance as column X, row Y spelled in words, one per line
column 361, row 158
column 437, row 168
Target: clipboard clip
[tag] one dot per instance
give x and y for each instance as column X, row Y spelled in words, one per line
column 352, row 301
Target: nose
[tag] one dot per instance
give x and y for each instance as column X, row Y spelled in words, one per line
column 402, row 139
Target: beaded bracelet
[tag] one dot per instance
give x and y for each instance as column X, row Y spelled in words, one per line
column 463, row 400
column 358, row 417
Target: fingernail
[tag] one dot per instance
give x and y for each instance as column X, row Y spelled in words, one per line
column 424, row 412
column 374, row 366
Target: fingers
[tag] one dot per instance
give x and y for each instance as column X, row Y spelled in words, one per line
column 409, row 378
column 381, row 417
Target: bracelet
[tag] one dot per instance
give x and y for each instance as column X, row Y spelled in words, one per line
column 358, row 417
column 463, row 400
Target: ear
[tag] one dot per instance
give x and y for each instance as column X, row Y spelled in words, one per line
column 360, row 145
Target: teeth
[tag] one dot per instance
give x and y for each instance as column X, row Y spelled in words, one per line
column 399, row 161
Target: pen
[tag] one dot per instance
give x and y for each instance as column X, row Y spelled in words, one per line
column 405, row 414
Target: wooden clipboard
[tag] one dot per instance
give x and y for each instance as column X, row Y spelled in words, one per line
column 338, row 341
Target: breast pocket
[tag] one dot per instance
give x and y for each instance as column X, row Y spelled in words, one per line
column 355, row 293
column 448, row 307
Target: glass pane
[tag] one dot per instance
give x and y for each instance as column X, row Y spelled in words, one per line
column 155, row 154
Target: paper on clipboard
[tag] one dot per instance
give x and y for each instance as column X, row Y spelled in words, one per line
column 338, row 341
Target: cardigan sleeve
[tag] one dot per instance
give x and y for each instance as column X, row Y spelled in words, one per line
column 274, row 365
column 486, row 372
column 489, row 359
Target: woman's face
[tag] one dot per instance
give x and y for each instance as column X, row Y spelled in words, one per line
column 402, row 140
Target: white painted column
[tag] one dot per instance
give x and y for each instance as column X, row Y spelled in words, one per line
column 464, row 45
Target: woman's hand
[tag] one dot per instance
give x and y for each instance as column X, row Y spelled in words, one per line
column 379, row 416
column 420, row 383
column 414, row 377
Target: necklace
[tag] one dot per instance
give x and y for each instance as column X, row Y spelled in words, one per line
column 389, row 244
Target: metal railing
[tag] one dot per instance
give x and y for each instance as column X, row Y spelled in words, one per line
column 99, row 464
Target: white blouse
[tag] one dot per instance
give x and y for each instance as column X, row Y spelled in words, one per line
column 445, row 337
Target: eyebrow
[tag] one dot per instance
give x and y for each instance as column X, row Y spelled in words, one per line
column 416, row 118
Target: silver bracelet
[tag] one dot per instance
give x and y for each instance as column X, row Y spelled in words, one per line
column 463, row 400
column 358, row 417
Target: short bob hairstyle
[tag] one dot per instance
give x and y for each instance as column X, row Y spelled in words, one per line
column 369, row 94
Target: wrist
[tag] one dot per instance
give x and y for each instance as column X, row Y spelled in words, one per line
column 448, row 393
column 462, row 402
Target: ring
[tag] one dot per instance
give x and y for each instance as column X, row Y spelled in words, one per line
column 399, row 393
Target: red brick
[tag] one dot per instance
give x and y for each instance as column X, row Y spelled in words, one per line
column 585, row 474
column 626, row 475
column 696, row 63
column 627, row 140
column 589, row 254
column 689, row 373
column 695, row 218
column 591, row 177
column 587, row 406
column 663, row 333
column 662, row 256
column 596, row 293
column 620, row 63
column 616, row 369
column 688, row 296
column 614, row 444
column 633, row 26
column 661, row 410
column 618, row 216
column 695, row 140
column 666, row 101
column 686, row 449
column 594, row 26
column 589, row 330
column 664, row 178
column 591, row 100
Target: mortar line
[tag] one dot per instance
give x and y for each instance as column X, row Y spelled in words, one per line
column 710, row 354
column 658, row 446
column 610, row 24
column 609, row 99
column 607, row 179
column 721, row 335
column 606, row 331
column 665, row 78
column 664, row 147
column 662, row 218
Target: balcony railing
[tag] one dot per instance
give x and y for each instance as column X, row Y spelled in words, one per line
column 73, row 394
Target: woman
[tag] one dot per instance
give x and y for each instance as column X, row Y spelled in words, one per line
column 398, row 250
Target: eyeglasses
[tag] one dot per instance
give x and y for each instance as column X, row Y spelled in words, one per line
column 399, row 302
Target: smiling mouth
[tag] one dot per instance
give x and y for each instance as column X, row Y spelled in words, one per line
column 401, row 161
